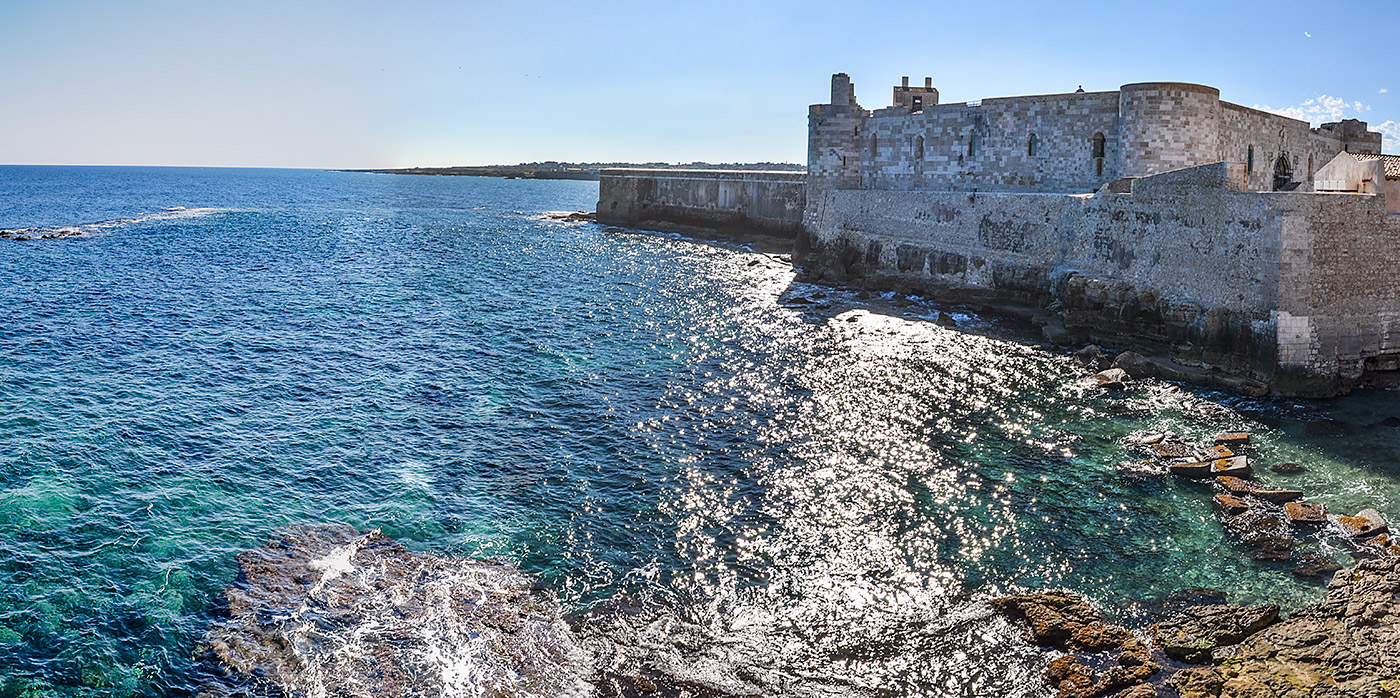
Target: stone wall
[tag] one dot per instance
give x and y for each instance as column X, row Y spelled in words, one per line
column 747, row 201
column 987, row 145
column 1184, row 264
column 1146, row 128
column 1339, row 303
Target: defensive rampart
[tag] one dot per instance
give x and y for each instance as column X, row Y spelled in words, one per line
column 1278, row 291
column 744, row 201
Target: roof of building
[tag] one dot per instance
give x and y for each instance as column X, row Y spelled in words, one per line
column 1392, row 163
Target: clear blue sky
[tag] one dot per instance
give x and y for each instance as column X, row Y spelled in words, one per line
column 389, row 84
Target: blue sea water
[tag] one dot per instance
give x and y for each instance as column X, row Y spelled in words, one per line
column 821, row 494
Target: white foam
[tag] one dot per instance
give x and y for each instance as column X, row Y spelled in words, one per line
column 82, row 229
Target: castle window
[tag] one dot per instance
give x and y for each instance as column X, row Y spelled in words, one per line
column 1030, row 145
column 972, row 145
column 874, row 145
column 1249, row 161
column 918, row 147
column 917, row 104
column 1098, row 145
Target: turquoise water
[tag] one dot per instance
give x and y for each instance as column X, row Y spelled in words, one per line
column 818, row 493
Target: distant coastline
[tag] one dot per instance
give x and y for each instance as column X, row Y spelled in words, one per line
column 570, row 170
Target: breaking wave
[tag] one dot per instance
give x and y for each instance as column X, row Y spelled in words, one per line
column 52, row 232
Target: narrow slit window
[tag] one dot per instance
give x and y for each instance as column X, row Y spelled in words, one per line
column 972, row 145
column 919, row 148
column 1030, row 146
column 874, row 145
column 1098, row 145
column 1249, row 161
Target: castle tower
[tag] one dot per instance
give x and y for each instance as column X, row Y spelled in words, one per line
column 833, row 139
column 1166, row 126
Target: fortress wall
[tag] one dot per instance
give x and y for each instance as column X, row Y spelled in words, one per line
column 1064, row 125
column 1339, row 306
column 1184, row 266
column 729, row 200
column 1242, row 127
column 1167, row 126
column 834, row 145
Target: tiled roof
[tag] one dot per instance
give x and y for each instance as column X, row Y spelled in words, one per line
column 1392, row 163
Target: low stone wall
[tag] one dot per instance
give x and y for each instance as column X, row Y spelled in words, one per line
column 1279, row 291
column 739, row 201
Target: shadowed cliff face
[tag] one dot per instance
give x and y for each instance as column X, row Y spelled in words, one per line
column 331, row 611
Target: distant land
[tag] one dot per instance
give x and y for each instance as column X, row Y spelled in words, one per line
column 575, row 170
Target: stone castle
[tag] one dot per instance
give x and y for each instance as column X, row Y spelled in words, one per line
column 1233, row 245
column 1073, row 142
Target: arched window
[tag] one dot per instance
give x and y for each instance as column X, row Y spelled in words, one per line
column 918, row 147
column 1030, row 145
column 972, row 144
column 874, row 145
column 1283, row 173
column 1249, row 161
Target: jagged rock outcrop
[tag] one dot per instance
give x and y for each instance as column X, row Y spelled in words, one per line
column 1192, row 635
column 332, row 611
column 1348, row 645
column 1068, row 622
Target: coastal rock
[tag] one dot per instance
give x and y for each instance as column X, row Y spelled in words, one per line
column 1112, row 379
column 1092, row 358
column 1140, row 469
column 330, row 610
column 1148, row 438
column 1305, row 514
column 1347, row 645
column 1244, row 488
column 1287, row 468
column 1136, row 364
column 1069, row 622
column 1366, row 523
column 1230, row 504
column 1195, row 633
column 945, row 320
column 1383, row 544
column 1231, row 439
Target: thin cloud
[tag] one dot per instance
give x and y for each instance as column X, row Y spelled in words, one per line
column 1320, row 109
column 1390, row 132
column 1383, row 90
column 1307, row 35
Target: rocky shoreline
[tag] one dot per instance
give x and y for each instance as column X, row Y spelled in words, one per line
column 327, row 610
column 1346, row 645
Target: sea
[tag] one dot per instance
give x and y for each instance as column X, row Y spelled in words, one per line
column 815, row 489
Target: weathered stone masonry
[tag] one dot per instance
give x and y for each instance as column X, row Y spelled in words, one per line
column 1156, row 217
column 746, row 200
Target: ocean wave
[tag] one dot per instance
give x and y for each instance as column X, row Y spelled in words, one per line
column 53, row 232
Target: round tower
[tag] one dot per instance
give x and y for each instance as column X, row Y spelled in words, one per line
column 1167, row 126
